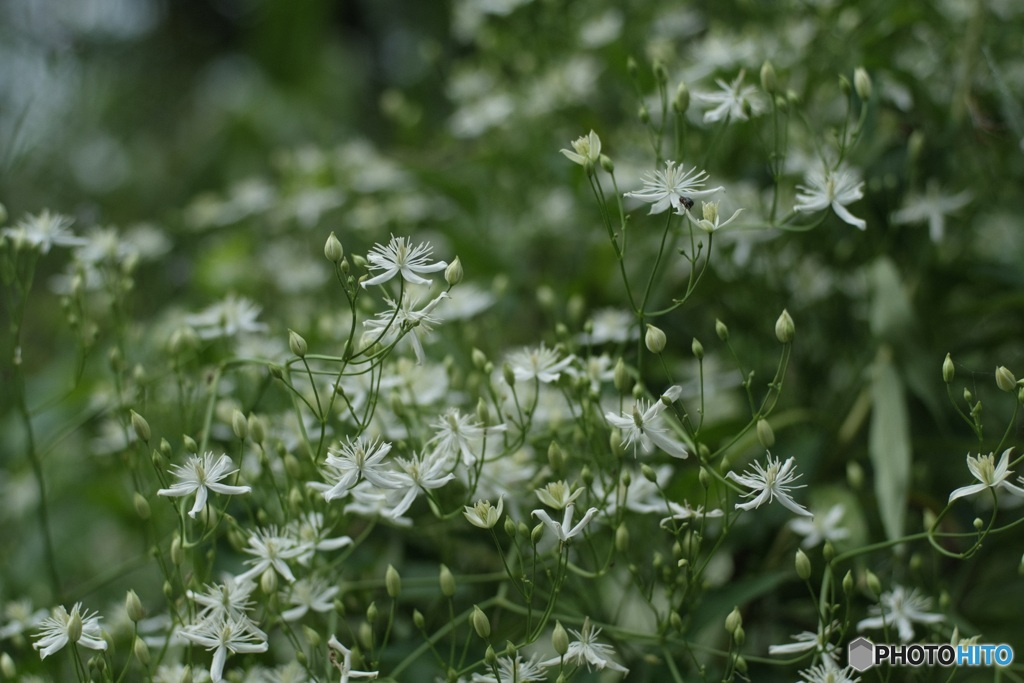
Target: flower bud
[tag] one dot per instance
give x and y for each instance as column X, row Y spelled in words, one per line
column 511, row 528
column 536, row 533
column 606, row 163
column 734, row 620
column 453, row 273
column 769, row 82
column 556, row 457
column 979, row 523
column 560, row 639
column 392, row 582
column 803, row 565
column 447, row 579
column 133, row 606
column 490, row 656
column 509, row 375
column 7, row 667
column 828, row 551
column 621, row 377
column 297, row 344
column 141, row 506
column 622, row 538
column 721, row 330
column 649, row 473
column 312, row 636
column 74, row 627
column 785, row 330
column 873, row 584
column 268, row 581
column 481, row 624
column 948, row 371
column 655, row 339
column 704, row 478
column 697, row 348
column 141, row 651
column 739, row 636
column 372, row 613
column 417, row 620
column 1005, row 379
column 848, row 582
column 239, row 425
column 681, row 101
column 141, row 427
column 862, row 83
column 177, row 553
column 479, row 358
column 765, row 435
column 332, row 249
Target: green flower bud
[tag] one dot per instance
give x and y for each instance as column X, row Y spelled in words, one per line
column 536, row 533
column 268, row 581
column 765, row 435
column 785, row 330
column 257, row 429
column 312, row 636
column 873, row 584
column 133, row 606
column 803, row 565
column 141, row 651
column 649, row 473
column 490, row 656
column 332, row 249
column 734, row 620
column 177, row 553
column 141, row 506
column 769, row 82
column 704, row 478
column 141, row 427
column 740, row 662
column 948, row 371
column 621, row 377
column 556, row 457
column 739, row 636
column 655, row 339
column 681, row 101
column 510, row 527
column 239, row 425
column 7, row 667
column 675, row 621
column 509, row 375
column 862, row 83
column 560, row 639
column 1005, row 379
column 448, row 579
column 481, row 624
column 606, row 163
column 697, row 348
column 828, row 551
column 979, row 523
column 453, row 273
column 848, row 582
column 372, row 613
column 418, row 621
column 721, row 330
column 190, row 445
column 297, row 344
column 365, row 635
column 479, row 358
column 392, row 582
column 622, row 538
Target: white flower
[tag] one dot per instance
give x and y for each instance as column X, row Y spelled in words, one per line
column 821, row 527
column 227, row 318
column 989, row 475
column 417, row 474
column 309, row 594
column 900, row 608
column 644, row 426
column 835, row 188
column 558, row 494
column 565, row 531
column 270, row 550
column 353, row 461
column 586, row 650
column 43, row 231
column 461, row 435
column 540, row 363
column 200, row 475
column 668, row 188
column 310, row 537
column 345, row 665
column 829, row 673
column 62, row 627
column 769, row 484
column 399, row 257
column 223, row 636
column 20, row 617
column 588, row 150
column 932, row 207
column 224, row 601
column 483, row 514
column 685, row 512
column 808, row 641
column 734, row 101
column 514, row 671
column 711, row 221
column 609, row 325
column 402, row 318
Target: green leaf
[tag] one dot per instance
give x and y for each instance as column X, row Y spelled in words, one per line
column 889, row 443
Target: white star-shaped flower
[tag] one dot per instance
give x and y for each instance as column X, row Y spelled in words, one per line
column 59, row 628
column 586, row 650
column 200, row 475
column 734, row 101
column 901, row 608
column 768, row 484
column 989, row 475
column 400, row 257
column 668, row 188
column 565, row 531
column 587, row 150
column 644, row 426
column 932, row 207
column 820, row 528
column 831, row 188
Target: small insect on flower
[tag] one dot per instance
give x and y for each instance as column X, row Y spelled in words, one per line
column 685, row 203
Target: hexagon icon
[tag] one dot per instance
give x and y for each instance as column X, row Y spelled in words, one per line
column 860, row 654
